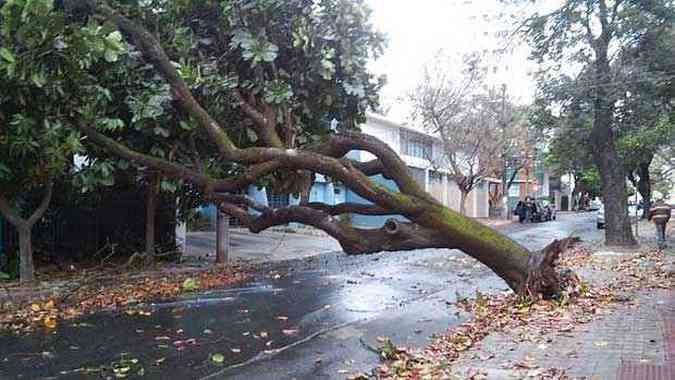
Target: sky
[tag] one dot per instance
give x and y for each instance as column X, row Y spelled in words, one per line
column 418, row 30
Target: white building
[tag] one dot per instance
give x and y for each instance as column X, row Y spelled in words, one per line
column 423, row 155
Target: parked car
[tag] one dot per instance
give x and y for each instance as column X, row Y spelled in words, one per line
column 600, row 217
column 632, row 211
column 635, row 211
column 548, row 210
column 595, row 205
column 542, row 211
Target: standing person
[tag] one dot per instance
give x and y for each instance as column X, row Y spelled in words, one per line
column 521, row 211
column 660, row 214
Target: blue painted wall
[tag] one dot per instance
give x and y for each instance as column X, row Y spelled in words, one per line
column 370, row 220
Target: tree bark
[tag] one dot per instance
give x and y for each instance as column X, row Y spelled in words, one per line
column 151, row 217
column 462, row 202
column 26, row 266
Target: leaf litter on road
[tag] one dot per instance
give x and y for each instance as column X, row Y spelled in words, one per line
column 125, row 292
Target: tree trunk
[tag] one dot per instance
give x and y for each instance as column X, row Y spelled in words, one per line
column 26, row 266
column 150, row 217
column 24, row 227
column 645, row 187
column 222, row 237
column 528, row 273
column 462, row 202
column 618, row 229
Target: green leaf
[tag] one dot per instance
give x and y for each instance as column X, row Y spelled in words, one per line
column 7, row 55
column 110, row 56
column 185, row 126
column 218, row 358
column 190, row 284
column 168, row 186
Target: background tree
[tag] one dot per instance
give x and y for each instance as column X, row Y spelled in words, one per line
column 465, row 115
column 646, row 105
column 519, row 140
column 589, row 33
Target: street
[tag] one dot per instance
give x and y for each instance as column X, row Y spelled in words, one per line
column 306, row 319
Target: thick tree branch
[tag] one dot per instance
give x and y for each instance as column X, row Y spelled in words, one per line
column 241, row 200
column 19, row 222
column 249, row 177
column 6, row 210
column 392, row 165
column 44, row 205
column 155, row 54
column 393, row 236
column 196, row 158
column 369, row 168
column 167, row 168
column 350, row 208
column 265, row 122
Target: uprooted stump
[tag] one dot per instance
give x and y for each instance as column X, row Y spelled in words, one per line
column 544, row 278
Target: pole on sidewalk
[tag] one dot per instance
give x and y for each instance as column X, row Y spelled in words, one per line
column 222, row 237
column 637, row 218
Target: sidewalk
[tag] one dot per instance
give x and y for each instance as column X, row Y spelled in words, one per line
column 633, row 337
column 616, row 321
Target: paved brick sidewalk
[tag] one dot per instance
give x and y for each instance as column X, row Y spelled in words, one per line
column 634, row 340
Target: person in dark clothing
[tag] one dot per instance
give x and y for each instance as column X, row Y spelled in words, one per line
column 521, row 211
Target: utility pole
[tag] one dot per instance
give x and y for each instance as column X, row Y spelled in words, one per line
column 505, row 195
column 222, row 237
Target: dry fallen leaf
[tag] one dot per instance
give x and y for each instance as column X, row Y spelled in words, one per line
column 50, row 322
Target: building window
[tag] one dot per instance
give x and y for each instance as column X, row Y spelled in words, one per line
column 416, row 144
column 435, row 178
column 278, row 200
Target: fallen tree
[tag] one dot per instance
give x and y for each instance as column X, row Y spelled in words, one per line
column 277, row 154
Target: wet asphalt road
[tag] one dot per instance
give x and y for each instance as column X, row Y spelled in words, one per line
column 321, row 312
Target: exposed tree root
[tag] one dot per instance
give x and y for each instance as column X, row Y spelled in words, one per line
column 544, row 280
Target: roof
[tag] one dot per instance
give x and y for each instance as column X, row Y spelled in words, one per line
column 398, row 124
